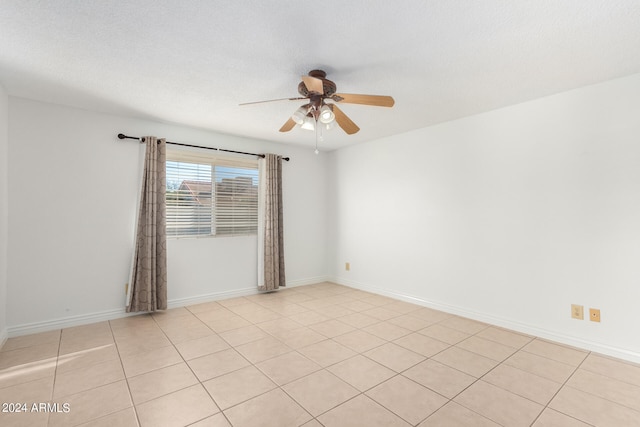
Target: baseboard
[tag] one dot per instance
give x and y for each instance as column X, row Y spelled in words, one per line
column 84, row 319
column 309, row 281
column 498, row 321
column 67, row 322
column 4, row 335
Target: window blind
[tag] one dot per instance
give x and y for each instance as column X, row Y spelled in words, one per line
column 210, row 195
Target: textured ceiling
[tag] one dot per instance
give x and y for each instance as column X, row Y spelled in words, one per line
column 193, row 62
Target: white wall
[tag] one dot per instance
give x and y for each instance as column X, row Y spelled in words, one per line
column 4, row 209
column 73, row 188
column 509, row 216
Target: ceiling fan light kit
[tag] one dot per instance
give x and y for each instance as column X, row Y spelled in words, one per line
column 317, row 113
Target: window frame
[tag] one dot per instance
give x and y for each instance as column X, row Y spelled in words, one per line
column 214, row 160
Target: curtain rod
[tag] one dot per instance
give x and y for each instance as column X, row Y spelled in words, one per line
column 141, row 139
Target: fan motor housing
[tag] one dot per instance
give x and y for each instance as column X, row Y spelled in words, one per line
column 328, row 87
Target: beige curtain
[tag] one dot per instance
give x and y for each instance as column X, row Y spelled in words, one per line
column 149, row 274
column 271, row 241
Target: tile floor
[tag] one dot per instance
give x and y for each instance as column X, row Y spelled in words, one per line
column 318, row 355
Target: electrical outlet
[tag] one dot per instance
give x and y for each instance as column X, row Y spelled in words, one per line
column 577, row 311
column 594, row 314
column 347, row 266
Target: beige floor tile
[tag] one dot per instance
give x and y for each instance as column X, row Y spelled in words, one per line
column 286, row 308
column 234, row 302
column 288, row 367
column 27, row 372
column 381, row 313
column 136, row 321
column 618, row 369
column 593, row 409
column 243, row 335
column 440, row 378
column 444, row 334
column 180, row 322
column 299, row 337
column 99, row 329
column 386, row 330
column 273, row 408
column 213, row 315
column 263, row 349
column 331, row 328
column 217, row 420
column 454, row 415
column 378, row 300
column 260, row 315
column 541, row 366
column 227, row 323
column 505, row 337
column 179, row 408
column 22, row 356
column 394, row 357
column 312, row 423
column 125, row 418
column 430, row 315
column 308, row 318
column 140, row 363
column 522, row 383
column 551, row 418
column 557, row 352
column 134, row 345
column 422, row 344
column 188, row 333
column 607, row 388
column 236, row 387
column 361, row 372
column 35, row 391
column 279, row 325
column 73, row 345
column 203, row 307
column 216, row 364
column 465, row 325
column 402, row 307
column 336, row 311
column 499, row 405
column 412, row 323
column 465, row 361
column 358, row 320
column 326, row 353
column 319, row 392
column 487, row 348
column 92, row 404
column 411, row 401
column 78, row 380
column 24, row 419
column 85, row 358
column 360, row 341
column 361, row 411
column 142, row 331
column 172, row 313
column 31, row 340
column 201, row 347
column 162, row 381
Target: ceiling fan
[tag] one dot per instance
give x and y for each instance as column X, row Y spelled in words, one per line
column 316, row 88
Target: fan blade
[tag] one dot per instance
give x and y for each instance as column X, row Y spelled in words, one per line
column 273, row 100
column 287, row 126
column 313, row 84
column 343, row 121
column 376, row 100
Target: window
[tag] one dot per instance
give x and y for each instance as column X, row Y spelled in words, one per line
column 211, row 195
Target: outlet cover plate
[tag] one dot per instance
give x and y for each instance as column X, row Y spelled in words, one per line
column 577, row 311
column 594, row 314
